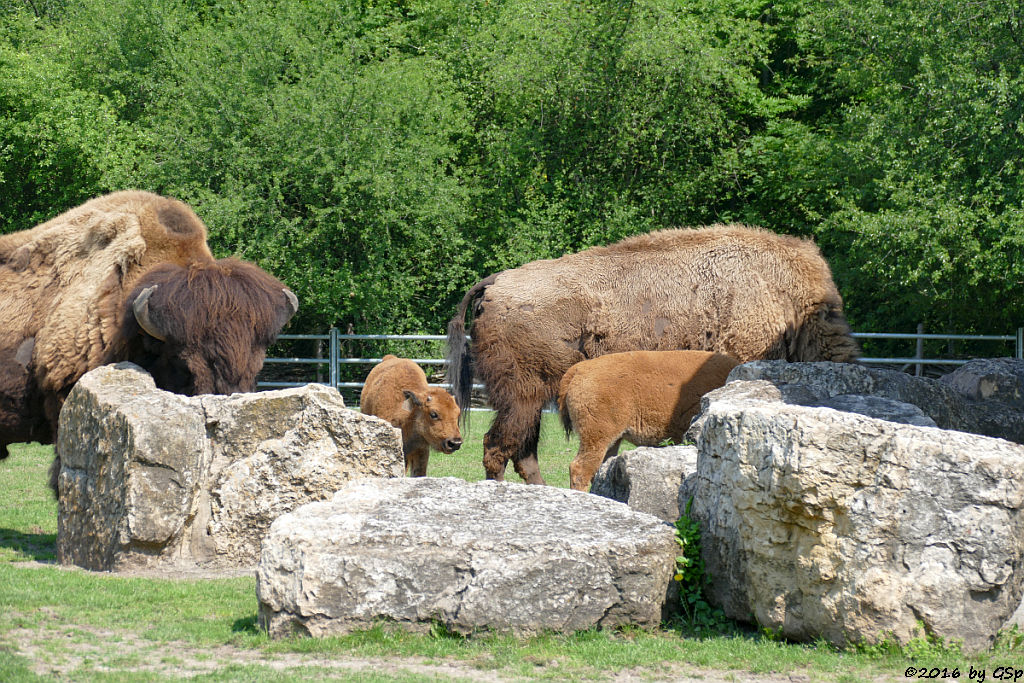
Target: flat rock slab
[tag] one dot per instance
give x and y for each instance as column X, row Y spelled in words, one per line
column 473, row 556
column 949, row 403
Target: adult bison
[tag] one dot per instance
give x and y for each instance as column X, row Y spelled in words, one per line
column 741, row 291
column 126, row 276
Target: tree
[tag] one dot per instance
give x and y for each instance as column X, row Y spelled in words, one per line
column 911, row 160
column 59, row 144
column 593, row 121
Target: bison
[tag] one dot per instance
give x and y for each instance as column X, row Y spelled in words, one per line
column 741, row 291
column 125, row 277
column 644, row 397
column 396, row 390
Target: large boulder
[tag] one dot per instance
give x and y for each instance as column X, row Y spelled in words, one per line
column 818, row 522
column 945, row 405
column 990, row 379
column 471, row 556
column 649, row 479
column 154, row 479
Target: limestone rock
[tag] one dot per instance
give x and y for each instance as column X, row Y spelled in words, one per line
column 648, row 479
column 110, row 499
column 472, row 556
column 816, row 383
column 990, row 379
column 817, row 522
column 150, row 479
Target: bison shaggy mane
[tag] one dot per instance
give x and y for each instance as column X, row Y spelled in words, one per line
column 126, row 277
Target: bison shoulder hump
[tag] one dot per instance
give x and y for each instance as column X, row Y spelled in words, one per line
column 178, row 220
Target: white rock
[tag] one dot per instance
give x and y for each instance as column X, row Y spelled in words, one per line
column 472, row 556
column 151, row 479
column 817, row 522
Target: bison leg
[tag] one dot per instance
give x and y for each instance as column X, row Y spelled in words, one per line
column 416, row 462
column 54, row 476
column 594, row 450
column 495, row 458
column 513, row 436
column 528, row 468
column 525, row 460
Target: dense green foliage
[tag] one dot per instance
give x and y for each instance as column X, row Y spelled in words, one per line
column 380, row 156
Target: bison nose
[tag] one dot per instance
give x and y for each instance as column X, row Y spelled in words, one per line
column 452, row 445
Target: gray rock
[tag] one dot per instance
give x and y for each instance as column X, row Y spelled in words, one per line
column 649, row 479
column 990, row 379
column 820, row 523
column 472, row 556
column 110, row 500
column 154, row 479
column 879, row 408
column 817, row 383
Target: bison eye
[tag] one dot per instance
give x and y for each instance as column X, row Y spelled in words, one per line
column 434, row 415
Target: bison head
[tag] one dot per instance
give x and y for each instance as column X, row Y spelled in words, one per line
column 435, row 416
column 203, row 328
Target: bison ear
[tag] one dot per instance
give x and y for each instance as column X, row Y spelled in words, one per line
column 412, row 398
column 291, row 305
column 140, row 307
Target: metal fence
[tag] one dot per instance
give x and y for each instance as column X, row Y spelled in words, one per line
column 342, row 373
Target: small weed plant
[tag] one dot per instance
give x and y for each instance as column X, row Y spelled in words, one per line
column 696, row 615
column 924, row 646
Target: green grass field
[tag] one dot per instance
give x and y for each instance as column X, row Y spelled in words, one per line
column 67, row 623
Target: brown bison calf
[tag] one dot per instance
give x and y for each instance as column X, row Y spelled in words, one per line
column 644, row 397
column 396, row 390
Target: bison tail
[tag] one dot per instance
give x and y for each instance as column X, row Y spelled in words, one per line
column 460, row 362
column 563, row 400
column 563, row 412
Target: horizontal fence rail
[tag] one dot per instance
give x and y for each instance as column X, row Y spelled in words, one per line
column 334, row 361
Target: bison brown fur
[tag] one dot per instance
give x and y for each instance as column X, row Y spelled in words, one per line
column 125, row 277
column 644, row 397
column 396, row 390
column 741, row 291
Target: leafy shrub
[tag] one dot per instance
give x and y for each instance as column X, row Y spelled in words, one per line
column 697, row 614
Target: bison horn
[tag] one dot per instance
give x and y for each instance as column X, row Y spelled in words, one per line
column 293, row 301
column 141, row 309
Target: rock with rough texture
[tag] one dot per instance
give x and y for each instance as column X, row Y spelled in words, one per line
column 151, row 479
column 472, row 556
column 990, row 379
column 648, row 479
column 821, row 523
column 817, row 383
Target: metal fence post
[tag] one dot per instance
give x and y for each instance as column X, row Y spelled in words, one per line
column 919, row 369
column 335, row 352
column 1020, row 342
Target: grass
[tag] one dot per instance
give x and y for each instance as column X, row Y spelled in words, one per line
column 68, row 623
column 555, row 452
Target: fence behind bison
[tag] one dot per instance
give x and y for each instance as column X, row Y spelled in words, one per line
column 343, row 360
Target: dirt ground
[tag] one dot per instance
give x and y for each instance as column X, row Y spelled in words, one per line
column 186, row 661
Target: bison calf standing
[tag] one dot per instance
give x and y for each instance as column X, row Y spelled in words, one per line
column 396, row 390
column 644, row 397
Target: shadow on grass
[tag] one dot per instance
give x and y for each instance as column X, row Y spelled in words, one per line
column 246, row 625
column 40, row 547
